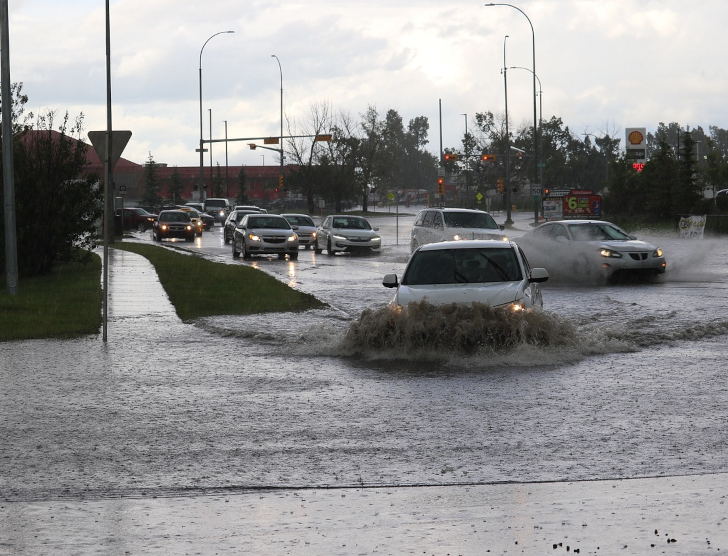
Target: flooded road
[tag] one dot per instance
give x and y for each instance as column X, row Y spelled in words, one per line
column 229, row 404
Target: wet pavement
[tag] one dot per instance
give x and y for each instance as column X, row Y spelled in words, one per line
column 151, row 499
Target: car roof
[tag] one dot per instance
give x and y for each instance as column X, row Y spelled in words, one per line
column 467, row 244
column 295, row 214
column 451, row 209
column 579, row 222
column 345, row 216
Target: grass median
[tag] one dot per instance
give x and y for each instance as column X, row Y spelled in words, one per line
column 64, row 304
column 201, row 288
column 67, row 303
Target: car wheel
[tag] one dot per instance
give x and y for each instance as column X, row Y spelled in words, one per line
column 317, row 249
column 294, row 256
column 141, row 227
column 155, row 237
column 190, row 239
column 246, row 253
column 236, row 253
column 281, row 256
column 227, row 238
column 413, row 245
column 328, row 247
column 307, row 247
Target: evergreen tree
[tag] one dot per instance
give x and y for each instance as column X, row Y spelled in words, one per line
column 152, row 186
column 242, row 196
column 176, row 188
column 217, row 183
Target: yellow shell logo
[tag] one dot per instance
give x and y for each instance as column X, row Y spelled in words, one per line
column 635, row 137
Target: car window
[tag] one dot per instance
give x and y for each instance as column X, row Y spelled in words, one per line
column 429, row 217
column 268, row 222
column 327, row 222
column 596, row 232
column 470, row 220
column 437, row 221
column 174, row 217
column 458, row 266
column 299, row 220
column 551, row 232
column 420, row 218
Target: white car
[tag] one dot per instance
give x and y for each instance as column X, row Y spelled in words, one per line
column 453, row 224
column 492, row 272
column 590, row 250
column 306, row 228
column 265, row 234
column 346, row 233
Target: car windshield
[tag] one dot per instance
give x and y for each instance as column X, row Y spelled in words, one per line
column 300, row 221
column 351, row 224
column 469, row 220
column 174, row 217
column 270, row 222
column 597, row 232
column 458, row 266
column 215, row 203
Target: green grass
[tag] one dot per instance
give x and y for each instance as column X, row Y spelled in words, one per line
column 64, row 304
column 200, row 288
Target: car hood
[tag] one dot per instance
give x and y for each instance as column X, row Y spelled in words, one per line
column 271, row 231
column 348, row 232
column 494, row 294
column 632, row 245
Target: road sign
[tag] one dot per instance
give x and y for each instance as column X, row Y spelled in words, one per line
column 536, row 190
column 119, row 139
column 122, row 190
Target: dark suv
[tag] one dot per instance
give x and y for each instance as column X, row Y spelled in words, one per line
column 218, row 208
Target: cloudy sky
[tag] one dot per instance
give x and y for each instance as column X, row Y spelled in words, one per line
column 604, row 65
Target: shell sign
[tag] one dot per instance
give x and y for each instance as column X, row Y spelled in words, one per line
column 636, row 137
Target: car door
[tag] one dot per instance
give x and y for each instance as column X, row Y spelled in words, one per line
column 323, row 232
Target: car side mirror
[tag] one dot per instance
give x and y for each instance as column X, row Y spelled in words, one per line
column 294, row 227
column 390, row 281
column 538, row 275
column 376, row 229
column 501, row 227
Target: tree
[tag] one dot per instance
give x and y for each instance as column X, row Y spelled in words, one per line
column 217, row 182
column 176, row 187
column 57, row 204
column 152, row 186
column 242, row 197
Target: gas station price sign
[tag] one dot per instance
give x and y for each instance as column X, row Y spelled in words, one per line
column 582, row 206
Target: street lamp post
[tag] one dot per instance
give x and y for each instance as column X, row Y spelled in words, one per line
column 508, row 140
column 540, row 117
column 281, row 145
column 202, row 150
column 535, row 132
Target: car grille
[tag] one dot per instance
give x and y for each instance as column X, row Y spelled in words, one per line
column 359, row 239
column 639, row 256
column 274, row 239
column 176, row 227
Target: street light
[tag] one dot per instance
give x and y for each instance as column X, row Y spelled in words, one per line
column 540, row 116
column 508, row 138
column 535, row 132
column 281, row 145
column 202, row 150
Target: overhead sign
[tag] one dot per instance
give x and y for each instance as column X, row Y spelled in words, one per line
column 270, row 141
column 119, row 140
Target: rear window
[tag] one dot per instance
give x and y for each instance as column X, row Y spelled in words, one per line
column 462, row 266
column 300, row 221
column 470, row 220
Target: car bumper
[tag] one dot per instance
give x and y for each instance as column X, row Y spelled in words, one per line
column 627, row 263
column 339, row 244
column 266, row 248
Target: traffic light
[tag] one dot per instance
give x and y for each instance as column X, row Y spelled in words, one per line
column 500, row 185
column 489, row 157
column 440, row 186
column 546, row 192
column 280, row 181
column 451, row 157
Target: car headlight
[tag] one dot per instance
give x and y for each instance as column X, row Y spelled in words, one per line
column 163, row 226
column 516, row 306
column 313, row 235
column 222, row 213
column 189, row 227
column 294, row 237
column 456, row 237
column 610, row 253
column 253, row 237
column 657, row 252
column 504, row 238
column 376, row 239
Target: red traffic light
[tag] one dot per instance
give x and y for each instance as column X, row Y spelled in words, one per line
column 489, row 157
column 451, row 157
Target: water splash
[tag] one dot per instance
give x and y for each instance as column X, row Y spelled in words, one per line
column 456, row 329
